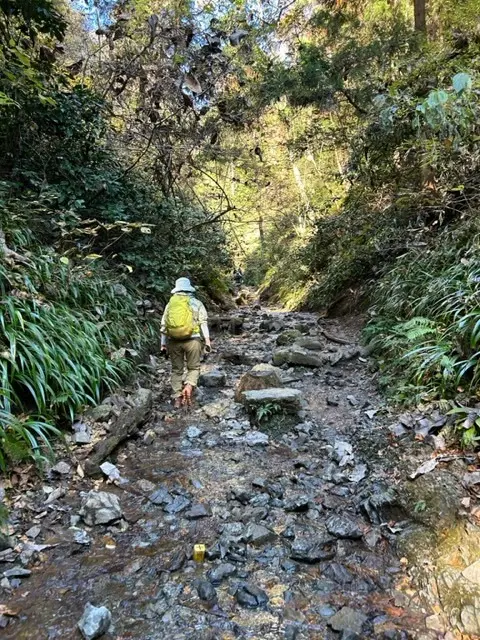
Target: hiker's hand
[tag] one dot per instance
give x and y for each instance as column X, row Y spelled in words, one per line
column 208, row 346
column 164, row 350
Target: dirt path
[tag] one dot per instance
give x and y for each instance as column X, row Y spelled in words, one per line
column 299, row 525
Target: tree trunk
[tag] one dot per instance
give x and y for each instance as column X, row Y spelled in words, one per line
column 420, row 15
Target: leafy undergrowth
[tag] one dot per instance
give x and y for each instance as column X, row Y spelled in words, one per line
column 62, row 327
column 425, row 326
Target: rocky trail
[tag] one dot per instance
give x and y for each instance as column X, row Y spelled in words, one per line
column 311, row 526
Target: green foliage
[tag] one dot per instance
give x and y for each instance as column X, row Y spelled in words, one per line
column 265, row 412
column 22, row 439
column 467, row 424
column 425, row 321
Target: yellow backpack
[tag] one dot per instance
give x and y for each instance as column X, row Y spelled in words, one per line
column 179, row 323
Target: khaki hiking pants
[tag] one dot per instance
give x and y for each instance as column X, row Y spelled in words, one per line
column 181, row 352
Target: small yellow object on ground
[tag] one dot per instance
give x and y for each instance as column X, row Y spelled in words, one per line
column 199, row 552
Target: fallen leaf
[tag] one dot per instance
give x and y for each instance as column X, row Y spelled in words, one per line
column 424, row 468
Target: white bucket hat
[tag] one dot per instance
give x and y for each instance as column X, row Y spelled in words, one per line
column 183, row 285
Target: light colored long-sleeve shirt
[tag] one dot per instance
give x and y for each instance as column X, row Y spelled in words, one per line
column 200, row 318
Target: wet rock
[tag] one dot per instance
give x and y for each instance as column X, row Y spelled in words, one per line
column 224, row 570
column 198, row 511
column 271, row 325
column 311, row 550
column 343, row 526
column 332, row 402
column 178, row 504
column 145, row 486
column 110, row 470
column 257, row 534
column 253, row 438
column 62, row 468
column 206, row 591
column 289, row 399
column 288, row 337
column 377, row 507
column 298, row 504
column 17, row 572
column 193, row 432
column 33, row 532
column 94, row 622
column 398, row 430
column 311, row 344
column 348, row 619
column 352, row 401
column 300, row 357
column 82, row 537
column 213, row 379
column 358, row 473
column 240, row 358
column 216, row 409
column 161, row 496
column 343, row 453
column 100, row 508
column 262, row 376
column 177, row 560
column 251, row 596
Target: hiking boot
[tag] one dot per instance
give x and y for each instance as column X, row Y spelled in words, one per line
column 178, row 402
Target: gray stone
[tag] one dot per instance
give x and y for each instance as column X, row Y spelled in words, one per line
column 206, row 591
column 311, row 344
column 470, row 620
column 343, row 453
column 224, row 570
column 82, row 537
column 262, row 376
column 82, row 437
column 17, row 572
column 178, row 504
column 161, row 496
column 348, row 619
column 312, row 550
column 198, row 511
column 298, row 504
column 34, row 532
column 62, row 468
column 194, row 432
column 288, row 337
column 253, row 438
column 288, row 399
column 94, row 622
column 297, row 356
column 257, row 534
column 100, row 413
column 343, row 526
column 100, row 507
column 472, row 573
column 248, row 595
column 213, row 379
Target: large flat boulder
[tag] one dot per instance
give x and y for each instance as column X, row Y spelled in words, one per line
column 262, row 376
column 288, row 399
column 298, row 356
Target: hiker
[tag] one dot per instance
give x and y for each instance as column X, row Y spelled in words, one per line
column 184, row 333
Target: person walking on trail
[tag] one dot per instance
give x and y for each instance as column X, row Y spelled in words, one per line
column 184, row 333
